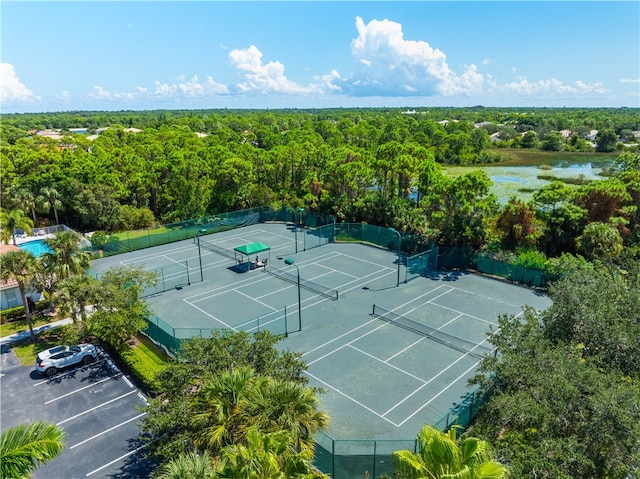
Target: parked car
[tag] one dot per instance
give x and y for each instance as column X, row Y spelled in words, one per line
column 50, row 361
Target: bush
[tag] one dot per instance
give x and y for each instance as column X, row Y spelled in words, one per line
column 17, row 313
column 145, row 360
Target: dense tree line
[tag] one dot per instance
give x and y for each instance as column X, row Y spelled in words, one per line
column 372, row 165
column 563, row 391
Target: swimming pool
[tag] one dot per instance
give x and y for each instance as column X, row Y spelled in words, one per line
column 35, row 247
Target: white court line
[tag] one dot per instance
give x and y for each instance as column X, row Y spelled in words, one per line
column 495, row 300
column 82, row 389
column 359, row 337
column 210, row 315
column 333, row 270
column 94, row 408
column 460, row 312
column 350, row 398
column 451, row 384
column 362, row 326
column 114, row 461
column 254, row 299
column 108, row 430
column 387, row 364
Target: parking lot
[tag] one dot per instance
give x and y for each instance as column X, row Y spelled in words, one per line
column 98, row 408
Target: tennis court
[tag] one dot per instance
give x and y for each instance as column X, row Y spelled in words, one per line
column 389, row 358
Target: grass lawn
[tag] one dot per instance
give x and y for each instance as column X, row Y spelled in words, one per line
column 27, row 352
column 9, row 328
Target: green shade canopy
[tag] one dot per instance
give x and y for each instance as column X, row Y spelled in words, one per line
column 252, row 248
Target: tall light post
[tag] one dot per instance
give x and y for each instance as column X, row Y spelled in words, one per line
column 199, row 253
column 399, row 245
column 299, row 211
column 291, row 262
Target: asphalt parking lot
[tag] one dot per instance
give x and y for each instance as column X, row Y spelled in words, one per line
column 98, row 408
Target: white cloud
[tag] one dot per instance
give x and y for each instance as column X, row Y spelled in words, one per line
column 269, row 78
column 552, row 88
column 192, row 88
column 630, row 80
column 396, row 66
column 12, row 90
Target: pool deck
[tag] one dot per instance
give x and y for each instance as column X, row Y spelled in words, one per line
column 36, row 236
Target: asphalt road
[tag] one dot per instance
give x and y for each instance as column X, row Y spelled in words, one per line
column 98, row 408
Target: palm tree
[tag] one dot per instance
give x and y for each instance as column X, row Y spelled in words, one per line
column 74, row 295
column 49, row 199
column 12, row 220
column 267, row 456
column 66, row 257
column 190, row 465
column 220, row 417
column 441, row 455
column 23, row 198
column 20, row 266
column 25, row 447
column 288, row 406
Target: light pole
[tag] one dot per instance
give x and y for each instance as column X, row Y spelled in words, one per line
column 299, row 211
column 290, row 261
column 399, row 245
column 199, row 253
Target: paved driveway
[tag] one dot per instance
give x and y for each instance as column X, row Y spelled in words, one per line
column 98, row 408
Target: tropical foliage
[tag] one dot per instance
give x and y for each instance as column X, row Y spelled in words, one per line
column 564, row 390
column 25, row 447
column 230, row 394
column 442, row 456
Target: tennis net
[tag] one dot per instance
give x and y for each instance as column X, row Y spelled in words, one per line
column 217, row 249
column 463, row 345
column 306, row 284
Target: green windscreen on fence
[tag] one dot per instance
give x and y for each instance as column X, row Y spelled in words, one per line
column 316, row 237
column 421, row 264
column 171, row 339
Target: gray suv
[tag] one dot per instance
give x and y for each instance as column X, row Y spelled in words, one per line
column 50, row 361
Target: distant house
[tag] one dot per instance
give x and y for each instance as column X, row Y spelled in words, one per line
column 53, row 134
column 565, row 133
column 494, row 137
column 592, row 135
column 482, row 124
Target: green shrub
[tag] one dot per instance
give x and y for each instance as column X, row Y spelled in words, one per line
column 17, row 313
column 145, row 361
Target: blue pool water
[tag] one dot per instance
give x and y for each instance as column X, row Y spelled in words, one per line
column 36, row 247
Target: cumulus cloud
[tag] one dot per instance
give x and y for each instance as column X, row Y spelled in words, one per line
column 12, row 90
column 553, row 88
column 184, row 88
column 396, row 66
column 267, row 78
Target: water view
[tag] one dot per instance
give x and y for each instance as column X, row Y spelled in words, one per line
column 523, row 177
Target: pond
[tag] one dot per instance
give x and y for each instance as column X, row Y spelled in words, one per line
column 522, row 178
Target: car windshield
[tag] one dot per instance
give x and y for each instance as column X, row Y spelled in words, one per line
column 75, row 349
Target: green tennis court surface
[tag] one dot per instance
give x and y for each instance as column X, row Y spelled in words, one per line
column 385, row 371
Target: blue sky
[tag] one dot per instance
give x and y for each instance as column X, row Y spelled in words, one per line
column 122, row 55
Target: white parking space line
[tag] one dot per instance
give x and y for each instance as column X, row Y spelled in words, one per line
column 114, row 461
column 82, row 389
column 94, row 408
column 108, row 430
